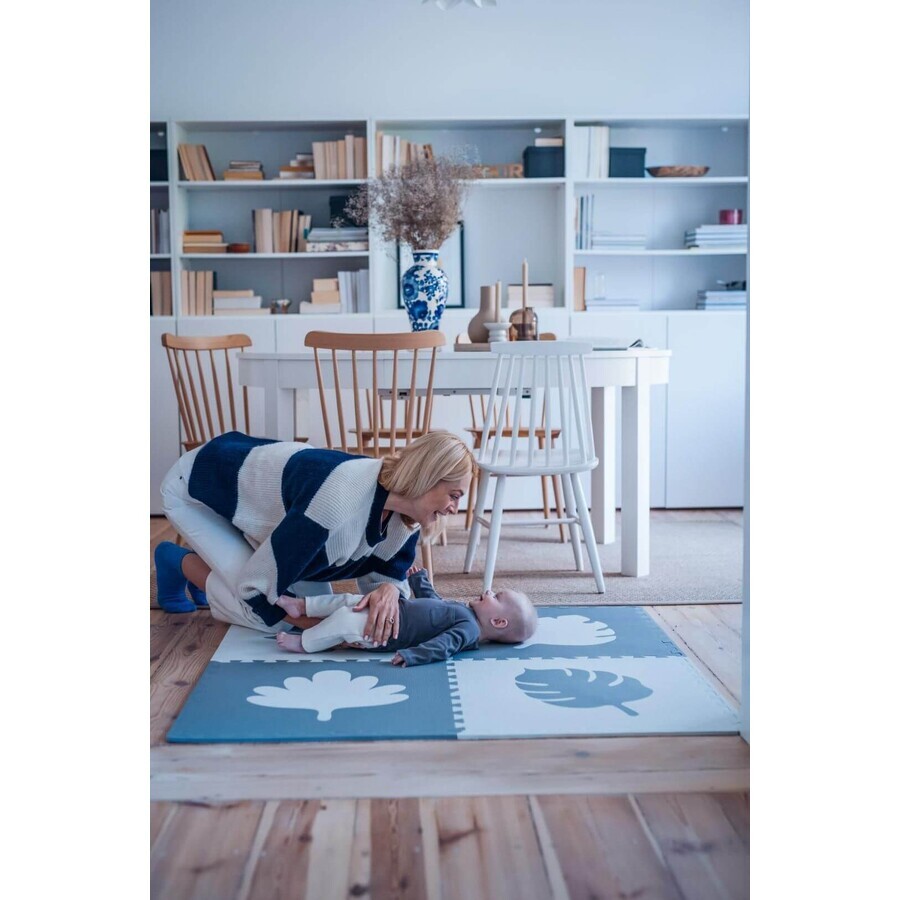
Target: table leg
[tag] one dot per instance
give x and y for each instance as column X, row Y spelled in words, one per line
column 278, row 406
column 636, row 476
column 603, row 478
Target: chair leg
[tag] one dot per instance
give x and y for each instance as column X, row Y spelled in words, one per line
column 444, row 538
column 557, row 493
column 475, row 532
column 540, row 442
column 573, row 528
column 179, row 540
column 426, row 559
column 470, row 508
column 494, row 536
column 584, row 517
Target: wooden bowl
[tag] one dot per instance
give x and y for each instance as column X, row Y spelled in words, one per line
column 678, row 171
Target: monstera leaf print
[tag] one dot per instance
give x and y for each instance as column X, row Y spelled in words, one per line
column 327, row 691
column 582, row 688
column 571, row 631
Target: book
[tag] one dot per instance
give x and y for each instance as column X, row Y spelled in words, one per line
column 325, row 296
column 548, row 142
column 221, row 295
column 338, row 234
column 307, row 308
column 325, row 284
column 539, row 296
column 240, row 175
column 156, row 294
column 220, row 303
column 362, row 291
column 336, row 246
column 579, row 282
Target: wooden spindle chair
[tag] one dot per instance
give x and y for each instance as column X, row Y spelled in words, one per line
column 380, row 418
column 203, row 374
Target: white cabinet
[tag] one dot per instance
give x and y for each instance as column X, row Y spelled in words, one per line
column 705, row 410
column 164, row 436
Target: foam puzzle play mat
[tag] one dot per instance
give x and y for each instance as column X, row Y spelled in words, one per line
column 587, row 671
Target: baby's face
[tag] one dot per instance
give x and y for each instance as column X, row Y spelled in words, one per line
column 490, row 605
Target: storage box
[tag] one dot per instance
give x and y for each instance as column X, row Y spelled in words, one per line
column 544, row 162
column 627, row 162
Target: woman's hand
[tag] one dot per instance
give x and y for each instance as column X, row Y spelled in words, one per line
column 384, row 613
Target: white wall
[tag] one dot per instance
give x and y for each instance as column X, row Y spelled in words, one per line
column 281, row 59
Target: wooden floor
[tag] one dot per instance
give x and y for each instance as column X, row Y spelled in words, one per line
column 644, row 817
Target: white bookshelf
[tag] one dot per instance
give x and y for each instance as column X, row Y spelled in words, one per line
column 506, row 220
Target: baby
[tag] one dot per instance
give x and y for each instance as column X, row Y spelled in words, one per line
column 432, row 629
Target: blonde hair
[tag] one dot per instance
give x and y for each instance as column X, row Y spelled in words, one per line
column 422, row 464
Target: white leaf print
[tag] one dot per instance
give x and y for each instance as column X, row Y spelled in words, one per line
column 327, row 691
column 570, row 631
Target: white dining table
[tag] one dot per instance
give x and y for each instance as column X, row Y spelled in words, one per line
column 633, row 370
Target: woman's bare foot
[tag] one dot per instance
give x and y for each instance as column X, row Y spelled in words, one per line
column 293, row 606
column 290, row 642
column 412, row 570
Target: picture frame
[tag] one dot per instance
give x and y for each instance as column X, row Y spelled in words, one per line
column 451, row 258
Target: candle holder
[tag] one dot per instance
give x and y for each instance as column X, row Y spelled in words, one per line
column 523, row 324
column 497, row 331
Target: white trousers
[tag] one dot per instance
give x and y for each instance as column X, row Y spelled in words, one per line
column 339, row 622
column 224, row 548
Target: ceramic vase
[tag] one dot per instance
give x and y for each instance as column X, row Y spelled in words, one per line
column 424, row 288
column 477, row 330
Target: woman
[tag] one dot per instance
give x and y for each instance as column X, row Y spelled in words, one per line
column 268, row 518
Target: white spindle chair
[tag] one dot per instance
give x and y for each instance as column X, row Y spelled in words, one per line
column 551, row 376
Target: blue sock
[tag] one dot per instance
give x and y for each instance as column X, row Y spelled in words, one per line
column 198, row 596
column 170, row 581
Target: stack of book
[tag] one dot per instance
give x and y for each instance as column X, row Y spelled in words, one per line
column 203, row 242
column 392, row 151
column 610, row 304
column 160, row 293
column 243, row 170
column 590, row 154
column 301, row 166
column 540, row 296
column 197, row 293
column 336, row 160
column 601, row 240
column 195, row 164
column 281, row 231
column 721, row 299
column 159, row 231
column 237, row 303
column 584, row 222
column 354, row 290
column 332, row 240
column 324, row 299
column 725, row 237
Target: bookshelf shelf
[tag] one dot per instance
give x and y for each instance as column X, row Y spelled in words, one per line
column 336, row 254
column 268, row 185
column 705, row 251
column 160, row 256
column 517, row 182
column 705, row 181
column 158, row 185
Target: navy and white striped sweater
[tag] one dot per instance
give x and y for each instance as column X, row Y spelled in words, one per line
column 314, row 515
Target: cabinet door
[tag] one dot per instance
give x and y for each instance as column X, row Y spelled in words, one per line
column 705, row 433
column 164, row 435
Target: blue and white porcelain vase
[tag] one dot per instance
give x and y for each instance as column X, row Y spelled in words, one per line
column 425, row 288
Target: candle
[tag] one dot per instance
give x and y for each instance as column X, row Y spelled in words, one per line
column 524, row 283
column 498, row 301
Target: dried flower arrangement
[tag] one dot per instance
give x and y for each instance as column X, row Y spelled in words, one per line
column 419, row 204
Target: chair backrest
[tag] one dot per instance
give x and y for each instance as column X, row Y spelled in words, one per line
column 203, row 374
column 407, row 390
column 546, row 376
column 478, row 419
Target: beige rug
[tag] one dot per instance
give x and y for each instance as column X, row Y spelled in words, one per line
column 694, row 558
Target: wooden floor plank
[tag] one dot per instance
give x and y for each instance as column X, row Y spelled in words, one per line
column 732, row 614
column 160, row 815
column 331, row 851
column 707, row 857
column 219, row 772
column 202, row 851
column 179, row 669
column 489, row 848
column 164, row 636
column 280, row 868
column 603, row 850
column 710, row 641
column 397, row 858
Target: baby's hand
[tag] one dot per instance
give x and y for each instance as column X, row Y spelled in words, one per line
column 412, row 570
column 398, row 660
